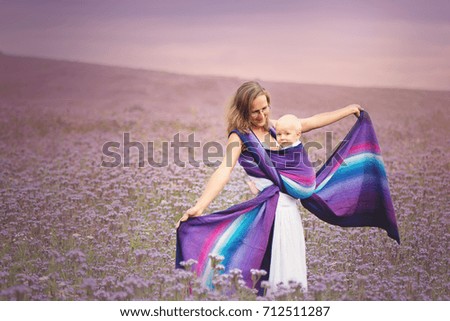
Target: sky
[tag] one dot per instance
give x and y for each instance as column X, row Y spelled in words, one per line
column 383, row 43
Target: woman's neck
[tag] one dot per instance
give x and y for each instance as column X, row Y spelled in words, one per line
column 261, row 130
column 265, row 137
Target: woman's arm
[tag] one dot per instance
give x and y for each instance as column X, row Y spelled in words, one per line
column 218, row 179
column 327, row 118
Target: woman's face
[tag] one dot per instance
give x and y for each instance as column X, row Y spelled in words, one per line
column 259, row 111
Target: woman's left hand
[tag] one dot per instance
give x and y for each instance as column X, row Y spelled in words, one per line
column 355, row 109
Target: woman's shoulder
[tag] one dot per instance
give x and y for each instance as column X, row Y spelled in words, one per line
column 234, row 139
column 236, row 136
column 238, row 133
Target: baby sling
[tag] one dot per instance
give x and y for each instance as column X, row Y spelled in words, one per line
column 349, row 190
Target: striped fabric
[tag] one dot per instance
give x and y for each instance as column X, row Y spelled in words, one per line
column 351, row 189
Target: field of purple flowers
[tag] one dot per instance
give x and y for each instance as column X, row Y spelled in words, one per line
column 74, row 230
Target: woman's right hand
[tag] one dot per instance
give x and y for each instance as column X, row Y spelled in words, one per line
column 192, row 212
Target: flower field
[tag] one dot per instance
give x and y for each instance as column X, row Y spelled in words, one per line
column 72, row 229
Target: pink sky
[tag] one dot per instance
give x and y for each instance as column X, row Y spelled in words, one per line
column 356, row 43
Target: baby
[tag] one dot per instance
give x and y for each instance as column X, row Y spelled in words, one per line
column 288, row 129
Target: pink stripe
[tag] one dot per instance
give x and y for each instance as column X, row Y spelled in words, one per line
column 298, row 178
column 365, row 147
column 211, row 239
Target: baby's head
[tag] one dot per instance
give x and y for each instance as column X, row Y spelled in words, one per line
column 288, row 129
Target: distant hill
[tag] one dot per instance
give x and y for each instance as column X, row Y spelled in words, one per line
column 113, row 88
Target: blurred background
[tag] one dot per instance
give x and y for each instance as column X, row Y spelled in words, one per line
column 383, row 43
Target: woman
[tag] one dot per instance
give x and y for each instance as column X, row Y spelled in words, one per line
column 250, row 112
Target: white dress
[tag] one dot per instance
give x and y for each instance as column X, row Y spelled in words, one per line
column 288, row 261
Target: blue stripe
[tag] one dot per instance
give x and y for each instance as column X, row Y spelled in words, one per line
column 296, row 190
column 361, row 164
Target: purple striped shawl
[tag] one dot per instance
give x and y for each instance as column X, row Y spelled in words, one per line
column 350, row 190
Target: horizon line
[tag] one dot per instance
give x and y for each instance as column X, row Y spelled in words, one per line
column 200, row 75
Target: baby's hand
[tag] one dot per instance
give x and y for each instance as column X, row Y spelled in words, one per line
column 252, row 186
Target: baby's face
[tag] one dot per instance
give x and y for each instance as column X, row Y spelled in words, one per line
column 287, row 134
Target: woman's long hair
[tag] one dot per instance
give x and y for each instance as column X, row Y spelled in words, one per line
column 239, row 109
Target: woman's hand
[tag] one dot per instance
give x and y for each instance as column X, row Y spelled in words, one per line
column 192, row 212
column 355, row 109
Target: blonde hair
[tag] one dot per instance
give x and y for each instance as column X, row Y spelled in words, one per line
column 289, row 120
column 239, row 109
